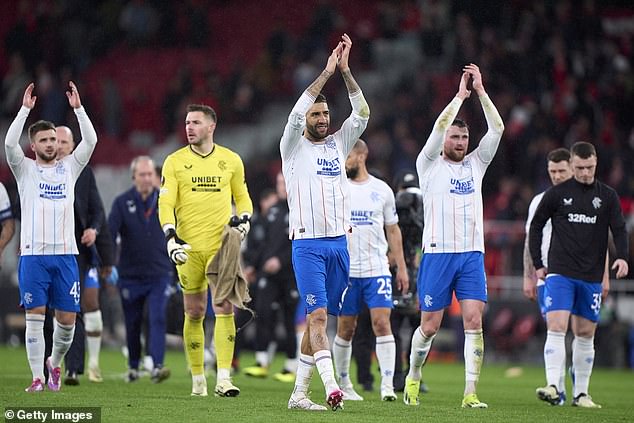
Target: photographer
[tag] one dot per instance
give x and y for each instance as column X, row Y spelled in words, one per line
column 409, row 207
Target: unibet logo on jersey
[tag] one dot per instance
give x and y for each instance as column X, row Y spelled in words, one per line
column 52, row 191
column 462, row 186
column 328, row 167
column 206, row 183
column 361, row 217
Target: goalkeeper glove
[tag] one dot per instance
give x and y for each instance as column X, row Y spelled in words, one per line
column 176, row 247
column 241, row 224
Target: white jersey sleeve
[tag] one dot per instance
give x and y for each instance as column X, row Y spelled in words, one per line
column 373, row 208
column 546, row 232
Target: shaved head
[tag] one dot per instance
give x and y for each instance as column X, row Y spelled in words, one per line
column 360, row 147
column 65, row 141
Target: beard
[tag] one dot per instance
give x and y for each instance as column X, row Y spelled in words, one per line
column 455, row 156
column 46, row 157
column 352, row 172
column 312, row 130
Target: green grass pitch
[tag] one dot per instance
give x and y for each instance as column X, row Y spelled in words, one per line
column 264, row 400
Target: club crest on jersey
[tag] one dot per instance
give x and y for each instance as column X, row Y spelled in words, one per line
column 59, row 168
column 596, row 202
column 327, row 167
column 462, row 186
column 222, row 165
column 331, row 144
column 375, row 196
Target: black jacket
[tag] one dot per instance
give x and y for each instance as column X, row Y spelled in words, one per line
column 89, row 213
column 581, row 216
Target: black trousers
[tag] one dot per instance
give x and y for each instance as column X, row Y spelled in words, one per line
column 276, row 294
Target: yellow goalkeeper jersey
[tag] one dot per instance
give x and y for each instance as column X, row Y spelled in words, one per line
column 196, row 194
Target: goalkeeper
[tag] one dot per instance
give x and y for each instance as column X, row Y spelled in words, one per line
column 197, row 185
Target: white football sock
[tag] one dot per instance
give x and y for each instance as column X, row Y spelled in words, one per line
column 62, row 339
column 34, row 337
column 305, row 368
column 342, row 351
column 94, row 324
column 473, row 356
column 421, row 345
column 582, row 362
column 262, row 358
column 323, row 361
column 386, row 355
column 554, row 356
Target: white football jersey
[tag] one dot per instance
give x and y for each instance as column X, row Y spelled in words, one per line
column 372, row 208
column 316, row 182
column 546, row 232
column 452, row 202
column 47, row 193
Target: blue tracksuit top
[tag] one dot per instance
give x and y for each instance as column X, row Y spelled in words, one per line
column 143, row 248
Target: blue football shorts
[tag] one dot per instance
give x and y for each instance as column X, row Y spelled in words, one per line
column 92, row 278
column 375, row 292
column 322, row 268
column 49, row 280
column 581, row 298
column 541, row 295
column 440, row 274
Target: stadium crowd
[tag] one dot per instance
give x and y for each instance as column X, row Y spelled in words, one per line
column 560, row 72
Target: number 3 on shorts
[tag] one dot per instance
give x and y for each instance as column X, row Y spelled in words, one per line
column 74, row 291
column 596, row 303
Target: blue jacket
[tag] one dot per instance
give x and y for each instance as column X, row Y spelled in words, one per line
column 143, row 247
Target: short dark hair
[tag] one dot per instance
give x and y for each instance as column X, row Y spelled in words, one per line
column 320, row 98
column 558, row 155
column 459, row 123
column 40, row 125
column 203, row 108
column 583, row 150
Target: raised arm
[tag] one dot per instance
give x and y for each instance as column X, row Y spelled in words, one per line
column 14, row 152
column 433, row 145
column 490, row 141
column 297, row 118
column 88, row 134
